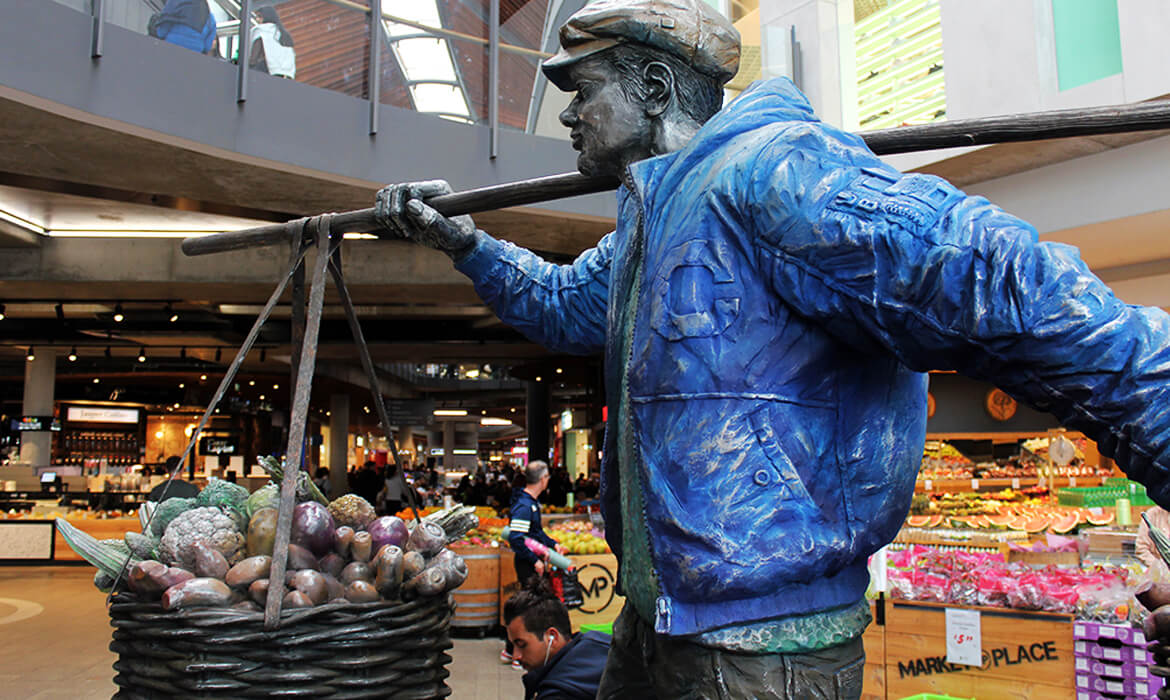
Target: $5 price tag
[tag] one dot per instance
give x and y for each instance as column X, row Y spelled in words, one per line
column 964, row 641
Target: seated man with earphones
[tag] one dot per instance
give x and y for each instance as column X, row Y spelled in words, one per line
column 561, row 665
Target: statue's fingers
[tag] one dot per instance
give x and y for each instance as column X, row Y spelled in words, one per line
column 429, row 188
column 382, row 206
column 427, row 219
column 399, row 196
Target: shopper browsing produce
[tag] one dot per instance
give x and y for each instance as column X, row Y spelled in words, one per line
column 525, row 522
column 560, row 665
column 769, row 305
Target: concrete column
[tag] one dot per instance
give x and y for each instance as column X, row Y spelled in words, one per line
column 338, row 444
column 539, row 394
column 448, row 444
column 36, row 448
column 405, row 438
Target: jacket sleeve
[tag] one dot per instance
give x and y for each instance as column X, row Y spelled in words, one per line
column 519, row 527
column 562, row 307
column 908, row 264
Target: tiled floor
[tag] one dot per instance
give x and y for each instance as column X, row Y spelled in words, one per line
column 61, row 651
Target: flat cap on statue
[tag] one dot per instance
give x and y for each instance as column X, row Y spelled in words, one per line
column 690, row 30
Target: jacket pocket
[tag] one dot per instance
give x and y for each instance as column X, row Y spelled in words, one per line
column 780, row 473
column 741, row 496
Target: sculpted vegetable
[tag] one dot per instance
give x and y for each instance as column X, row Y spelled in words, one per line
column 313, row 528
column 209, row 524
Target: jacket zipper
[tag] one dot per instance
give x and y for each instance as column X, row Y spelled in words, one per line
column 662, row 603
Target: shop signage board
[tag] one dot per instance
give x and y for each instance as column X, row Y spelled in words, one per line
column 101, row 414
column 410, row 411
column 34, row 423
column 1023, row 654
column 218, row 445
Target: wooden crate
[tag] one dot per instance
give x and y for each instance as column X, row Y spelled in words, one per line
column 1027, row 655
column 874, row 640
column 597, row 574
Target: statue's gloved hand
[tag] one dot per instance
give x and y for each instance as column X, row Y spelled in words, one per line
column 401, row 209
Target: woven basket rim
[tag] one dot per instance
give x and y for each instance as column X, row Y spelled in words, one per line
column 124, row 604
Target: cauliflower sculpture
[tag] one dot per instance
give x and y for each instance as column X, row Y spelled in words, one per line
column 352, row 510
column 209, row 524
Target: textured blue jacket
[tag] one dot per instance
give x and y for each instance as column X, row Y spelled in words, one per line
column 792, row 291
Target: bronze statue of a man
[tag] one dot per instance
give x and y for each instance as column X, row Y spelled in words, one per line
column 768, row 307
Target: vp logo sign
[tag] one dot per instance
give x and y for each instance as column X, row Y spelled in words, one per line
column 597, row 587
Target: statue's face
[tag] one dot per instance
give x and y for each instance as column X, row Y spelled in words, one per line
column 610, row 129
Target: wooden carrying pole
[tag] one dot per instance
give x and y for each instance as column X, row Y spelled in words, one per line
column 1143, row 116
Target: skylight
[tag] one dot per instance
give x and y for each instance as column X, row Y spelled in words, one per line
column 426, row 59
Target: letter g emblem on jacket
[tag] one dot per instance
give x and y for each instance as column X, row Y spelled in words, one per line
column 697, row 290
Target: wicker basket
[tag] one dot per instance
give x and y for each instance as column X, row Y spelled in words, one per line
column 373, row 650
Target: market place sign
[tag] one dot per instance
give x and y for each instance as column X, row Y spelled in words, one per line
column 597, row 587
column 1037, row 652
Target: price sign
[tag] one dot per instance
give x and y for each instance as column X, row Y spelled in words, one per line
column 1015, row 484
column 974, row 484
column 964, row 640
column 1072, row 482
column 928, row 485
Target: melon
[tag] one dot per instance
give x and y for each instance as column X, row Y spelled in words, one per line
column 1103, row 519
column 1037, row 524
column 1016, row 522
column 918, row 520
column 1001, row 521
column 1064, row 524
column 935, row 520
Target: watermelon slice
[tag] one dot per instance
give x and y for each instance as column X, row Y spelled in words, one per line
column 1039, row 523
column 935, row 520
column 1016, row 522
column 1065, row 524
column 1001, row 521
column 1103, row 519
column 918, row 520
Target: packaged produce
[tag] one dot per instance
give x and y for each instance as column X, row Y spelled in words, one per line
column 1099, row 594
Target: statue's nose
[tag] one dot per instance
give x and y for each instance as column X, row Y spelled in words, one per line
column 568, row 117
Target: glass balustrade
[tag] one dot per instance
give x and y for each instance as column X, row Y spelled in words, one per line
column 434, row 54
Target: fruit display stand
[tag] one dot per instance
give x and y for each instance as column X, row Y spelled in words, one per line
column 874, row 640
column 929, row 485
column 597, row 575
column 1026, row 655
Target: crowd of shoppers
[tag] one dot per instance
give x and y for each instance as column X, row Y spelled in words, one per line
column 495, row 486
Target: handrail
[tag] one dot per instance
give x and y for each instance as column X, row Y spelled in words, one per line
column 451, row 33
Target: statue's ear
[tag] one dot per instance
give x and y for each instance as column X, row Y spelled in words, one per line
column 659, row 81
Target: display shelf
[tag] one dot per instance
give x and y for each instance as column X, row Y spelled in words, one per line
column 997, row 484
column 1027, row 654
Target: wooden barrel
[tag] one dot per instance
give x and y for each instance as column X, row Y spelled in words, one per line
column 478, row 599
column 508, row 583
